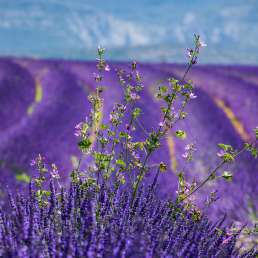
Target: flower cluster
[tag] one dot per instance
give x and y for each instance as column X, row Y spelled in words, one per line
column 192, row 54
column 82, row 221
column 189, row 150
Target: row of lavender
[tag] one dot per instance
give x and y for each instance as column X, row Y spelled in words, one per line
column 41, row 101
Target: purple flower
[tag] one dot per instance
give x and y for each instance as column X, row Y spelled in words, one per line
column 78, row 129
column 227, row 240
column 33, row 162
column 54, row 172
column 66, row 225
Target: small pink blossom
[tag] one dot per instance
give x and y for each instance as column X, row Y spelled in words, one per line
column 188, row 147
column 221, row 153
column 54, row 172
column 161, row 124
column 78, row 129
column 134, row 96
column 202, row 44
column 33, row 162
column 79, row 126
column 107, row 68
column 37, row 161
column 97, row 77
column 185, row 155
column 189, row 53
column 192, row 96
column 227, row 240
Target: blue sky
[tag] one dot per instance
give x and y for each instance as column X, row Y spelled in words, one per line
column 148, row 30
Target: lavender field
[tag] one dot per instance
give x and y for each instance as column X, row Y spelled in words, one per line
column 42, row 100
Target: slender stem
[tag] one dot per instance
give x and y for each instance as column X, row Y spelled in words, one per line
column 160, row 128
column 142, row 127
column 112, row 148
column 204, row 181
column 140, row 176
column 213, row 172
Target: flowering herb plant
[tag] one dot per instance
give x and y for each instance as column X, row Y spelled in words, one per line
column 109, row 209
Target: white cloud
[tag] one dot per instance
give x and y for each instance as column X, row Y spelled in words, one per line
column 232, row 29
column 109, row 30
column 180, row 34
column 235, row 11
column 189, row 18
column 215, row 35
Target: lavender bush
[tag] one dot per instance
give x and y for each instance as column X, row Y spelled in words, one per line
column 110, row 208
column 82, row 221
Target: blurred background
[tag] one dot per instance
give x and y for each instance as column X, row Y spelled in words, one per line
column 149, row 30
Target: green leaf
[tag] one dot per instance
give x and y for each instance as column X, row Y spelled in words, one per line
column 39, row 181
column 163, row 89
column 183, row 115
column 23, row 177
column 254, row 152
column 168, row 98
column 152, row 142
column 136, row 113
column 85, row 144
column 103, row 127
column 123, row 135
column 120, row 163
column 162, row 167
column 228, row 157
column 46, row 193
column 181, row 134
column 181, row 179
column 74, row 177
column 225, row 147
column 164, row 110
column 256, row 132
column 227, row 175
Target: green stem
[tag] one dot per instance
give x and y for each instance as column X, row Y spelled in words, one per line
column 140, row 176
column 213, row 172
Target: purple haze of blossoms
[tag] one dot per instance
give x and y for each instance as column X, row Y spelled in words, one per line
column 79, row 221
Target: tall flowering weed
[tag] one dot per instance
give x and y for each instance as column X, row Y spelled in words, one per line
column 110, row 209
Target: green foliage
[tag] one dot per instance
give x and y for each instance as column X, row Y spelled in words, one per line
column 75, row 177
column 152, row 142
column 162, row 167
column 42, row 197
column 225, row 147
column 23, row 177
column 85, row 144
column 180, row 134
column 228, row 157
column 252, row 149
column 136, row 113
column 121, row 163
column 227, row 175
column 256, row 133
column 116, row 153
